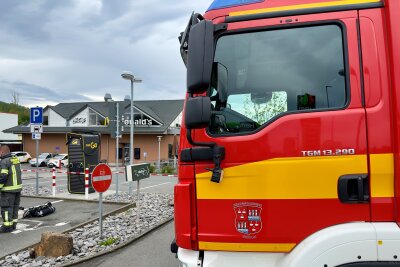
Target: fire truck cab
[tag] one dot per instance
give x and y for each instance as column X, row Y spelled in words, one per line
column 289, row 152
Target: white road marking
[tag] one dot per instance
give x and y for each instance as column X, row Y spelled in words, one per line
column 57, row 201
column 142, row 188
column 21, row 227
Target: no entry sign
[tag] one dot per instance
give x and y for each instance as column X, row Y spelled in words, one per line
column 101, row 178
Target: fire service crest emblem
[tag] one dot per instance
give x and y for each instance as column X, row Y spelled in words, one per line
column 248, row 218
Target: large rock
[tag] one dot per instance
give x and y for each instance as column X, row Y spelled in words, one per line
column 54, row 245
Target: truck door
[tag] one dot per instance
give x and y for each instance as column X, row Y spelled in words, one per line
column 287, row 107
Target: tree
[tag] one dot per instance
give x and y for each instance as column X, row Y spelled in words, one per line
column 261, row 113
column 23, row 112
column 15, row 97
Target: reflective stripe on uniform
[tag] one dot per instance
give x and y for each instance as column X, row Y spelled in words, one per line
column 7, row 223
column 14, row 175
column 6, row 216
column 9, row 188
column 1, row 185
column 14, row 161
column 4, row 171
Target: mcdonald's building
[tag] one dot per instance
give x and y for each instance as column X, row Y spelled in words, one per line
column 156, row 128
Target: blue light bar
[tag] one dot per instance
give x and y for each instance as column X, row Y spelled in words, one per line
column 218, row 4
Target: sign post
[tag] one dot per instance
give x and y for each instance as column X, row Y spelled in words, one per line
column 137, row 172
column 36, row 121
column 101, row 181
column 37, row 167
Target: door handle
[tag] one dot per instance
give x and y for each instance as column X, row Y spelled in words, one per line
column 353, row 188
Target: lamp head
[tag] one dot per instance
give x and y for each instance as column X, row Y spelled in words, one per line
column 127, row 75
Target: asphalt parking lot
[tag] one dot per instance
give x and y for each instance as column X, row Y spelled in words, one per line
column 154, row 184
column 68, row 214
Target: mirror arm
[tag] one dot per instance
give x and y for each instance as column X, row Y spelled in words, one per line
column 218, row 156
column 194, row 143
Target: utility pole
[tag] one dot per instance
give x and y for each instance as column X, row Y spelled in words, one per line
column 117, row 152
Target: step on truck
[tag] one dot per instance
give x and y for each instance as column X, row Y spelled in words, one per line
column 289, row 151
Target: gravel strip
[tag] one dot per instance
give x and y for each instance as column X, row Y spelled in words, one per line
column 29, row 190
column 124, row 197
column 117, row 228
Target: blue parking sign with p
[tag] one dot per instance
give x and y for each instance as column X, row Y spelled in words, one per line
column 37, row 115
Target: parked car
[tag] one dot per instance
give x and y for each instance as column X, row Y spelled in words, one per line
column 55, row 162
column 23, row 157
column 43, row 159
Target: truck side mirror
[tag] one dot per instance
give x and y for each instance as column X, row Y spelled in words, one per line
column 197, row 112
column 200, row 56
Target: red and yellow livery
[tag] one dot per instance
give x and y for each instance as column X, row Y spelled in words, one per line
column 304, row 104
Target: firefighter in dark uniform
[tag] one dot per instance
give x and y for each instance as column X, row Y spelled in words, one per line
column 10, row 188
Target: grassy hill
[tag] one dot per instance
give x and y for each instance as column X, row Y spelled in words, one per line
column 23, row 112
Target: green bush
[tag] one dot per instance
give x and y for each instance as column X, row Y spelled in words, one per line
column 108, row 242
column 168, row 169
column 153, row 168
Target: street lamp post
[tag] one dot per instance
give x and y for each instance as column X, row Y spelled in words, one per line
column 127, row 75
column 117, row 151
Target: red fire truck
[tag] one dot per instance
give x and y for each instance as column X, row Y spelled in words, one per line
column 289, row 153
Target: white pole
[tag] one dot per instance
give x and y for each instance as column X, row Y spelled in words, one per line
column 87, row 183
column 131, row 137
column 54, row 181
column 159, row 152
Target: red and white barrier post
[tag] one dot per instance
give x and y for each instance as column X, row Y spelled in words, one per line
column 54, row 181
column 87, row 183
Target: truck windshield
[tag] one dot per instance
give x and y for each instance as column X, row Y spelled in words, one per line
column 258, row 76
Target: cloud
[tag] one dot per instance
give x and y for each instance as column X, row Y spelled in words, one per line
column 35, row 93
column 62, row 50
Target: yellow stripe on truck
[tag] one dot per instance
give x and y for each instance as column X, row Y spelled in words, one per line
column 382, row 175
column 271, row 247
column 303, row 6
column 282, row 178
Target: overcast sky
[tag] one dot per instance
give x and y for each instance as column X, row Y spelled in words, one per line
column 55, row 51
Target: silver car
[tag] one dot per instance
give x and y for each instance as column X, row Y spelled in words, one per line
column 43, row 159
